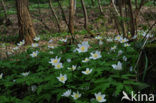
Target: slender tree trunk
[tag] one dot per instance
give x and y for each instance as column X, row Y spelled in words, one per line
column 85, row 14
column 100, row 7
column 71, row 16
column 132, row 22
column 123, row 26
column 5, row 10
column 7, row 20
column 63, row 14
column 26, row 29
column 53, row 13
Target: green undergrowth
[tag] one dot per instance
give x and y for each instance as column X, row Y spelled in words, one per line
column 42, row 86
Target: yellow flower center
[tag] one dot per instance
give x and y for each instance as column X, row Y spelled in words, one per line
column 35, row 54
column 99, row 98
column 62, row 78
column 82, row 48
column 95, row 55
column 55, row 61
column 73, row 68
column 58, row 66
column 118, row 38
column 87, row 71
column 123, row 40
column 86, row 59
column 76, row 95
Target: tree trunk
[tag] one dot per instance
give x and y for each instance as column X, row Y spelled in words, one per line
column 123, row 26
column 100, row 7
column 7, row 20
column 63, row 14
column 71, row 16
column 132, row 22
column 53, row 13
column 85, row 14
column 26, row 29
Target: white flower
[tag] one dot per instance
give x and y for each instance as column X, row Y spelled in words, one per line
column 134, row 37
column 100, row 97
column 85, row 60
column 95, row 55
column 16, row 48
column 34, row 45
column 124, row 58
column 87, row 71
column 51, row 47
column 62, row 78
column 100, row 42
column 33, row 88
column 118, row 66
column 109, row 40
column 50, row 41
column 34, row 54
column 67, row 93
column 21, row 43
column 126, row 45
column 120, row 52
column 55, row 60
column 72, row 68
column 58, row 66
column 63, row 40
column 9, row 53
column 76, row 95
column 51, row 52
column 25, row 74
column 37, row 38
column 14, row 80
column 131, row 68
column 83, row 47
column 113, row 48
column 68, row 60
column 118, row 38
column 98, row 37
column 1, row 75
column 123, row 40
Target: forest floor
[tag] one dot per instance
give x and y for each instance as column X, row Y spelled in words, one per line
column 98, row 24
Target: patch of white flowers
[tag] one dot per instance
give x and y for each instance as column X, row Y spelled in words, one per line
column 73, row 68
column 25, row 74
column 100, row 97
column 87, row 71
column 1, row 75
column 21, row 43
column 83, row 47
column 62, row 78
column 76, row 95
column 95, row 55
column 34, row 45
column 85, row 60
column 117, row 66
column 34, row 54
column 67, row 93
column 37, row 39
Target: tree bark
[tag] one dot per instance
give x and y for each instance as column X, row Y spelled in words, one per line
column 63, row 14
column 123, row 26
column 100, row 7
column 132, row 22
column 85, row 14
column 26, row 29
column 71, row 16
column 53, row 13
